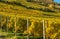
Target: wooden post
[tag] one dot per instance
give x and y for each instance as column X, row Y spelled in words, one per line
column 27, row 28
column 15, row 21
column 43, row 29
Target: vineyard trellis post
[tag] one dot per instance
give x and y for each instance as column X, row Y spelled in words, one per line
column 43, row 29
column 27, row 28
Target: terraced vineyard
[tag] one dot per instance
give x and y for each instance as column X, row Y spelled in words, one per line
column 25, row 20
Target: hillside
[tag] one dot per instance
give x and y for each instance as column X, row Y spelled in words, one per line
column 34, row 10
column 20, row 19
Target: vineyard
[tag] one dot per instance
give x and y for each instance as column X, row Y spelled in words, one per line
column 24, row 20
column 21, row 28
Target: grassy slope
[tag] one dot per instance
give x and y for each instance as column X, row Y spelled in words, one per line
column 20, row 10
column 11, row 10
